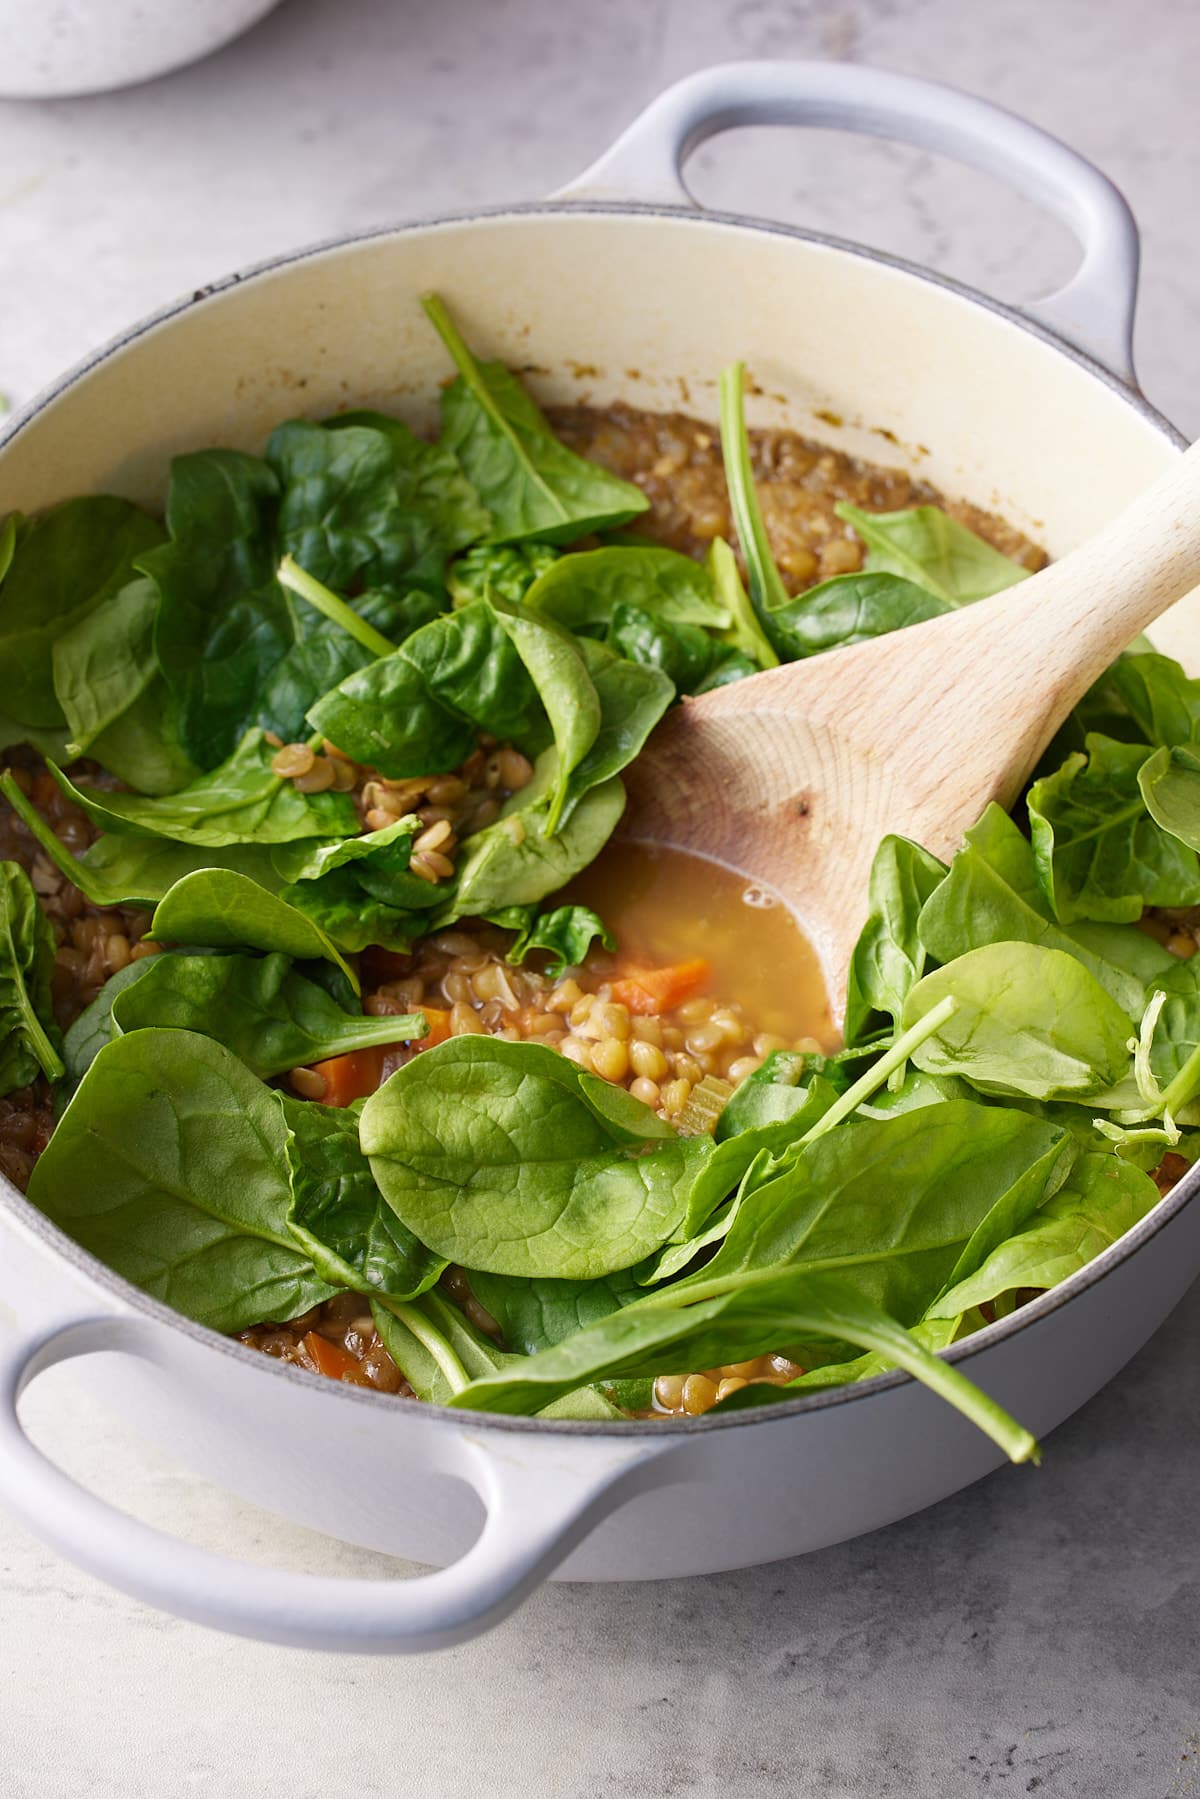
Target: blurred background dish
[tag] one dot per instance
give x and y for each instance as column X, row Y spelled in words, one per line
column 60, row 47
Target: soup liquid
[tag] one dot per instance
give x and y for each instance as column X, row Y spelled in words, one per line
column 665, row 905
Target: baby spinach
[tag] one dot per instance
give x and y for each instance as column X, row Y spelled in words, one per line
column 770, row 1095
column 28, row 1033
column 261, row 1008
column 851, row 609
column 113, row 696
column 992, row 895
column 515, row 861
column 338, row 1215
column 1169, row 782
column 752, row 1314
column 898, row 1206
column 534, row 1314
column 243, row 801
column 419, row 710
column 236, row 648
column 430, row 481
column 87, row 1036
column 134, row 871
column 501, row 573
column 1028, row 1020
column 583, row 591
column 1168, row 1058
column 169, row 1164
column 1103, row 1197
column 506, row 1157
column 632, row 700
column 1099, row 853
column 216, row 908
column 889, row 957
column 533, row 486
column 931, row 1334
column 63, row 566
column 925, row 545
column 1160, row 704
column 387, row 850
column 340, row 513
column 565, row 934
column 684, row 653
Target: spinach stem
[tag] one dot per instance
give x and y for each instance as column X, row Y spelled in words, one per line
column 766, row 588
column 877, row 1074
column 430, row 1339
column 289, row 574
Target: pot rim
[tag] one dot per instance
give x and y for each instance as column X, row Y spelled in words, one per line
column 991, row 1336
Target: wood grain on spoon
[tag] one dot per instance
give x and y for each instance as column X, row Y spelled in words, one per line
column 793, row 776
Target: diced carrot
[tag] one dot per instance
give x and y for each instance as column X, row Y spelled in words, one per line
column 438, row 1020
column 330, row 1358
column 650, row 990
column 352, row 1076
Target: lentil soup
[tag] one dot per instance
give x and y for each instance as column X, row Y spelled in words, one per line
column 492, row 1114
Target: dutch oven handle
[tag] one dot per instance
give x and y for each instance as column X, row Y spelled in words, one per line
column 1094, row 311
column 538, row 1509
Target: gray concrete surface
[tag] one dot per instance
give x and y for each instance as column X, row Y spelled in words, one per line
column 1038, row 1634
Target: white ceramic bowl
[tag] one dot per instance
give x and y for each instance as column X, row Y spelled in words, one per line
column 1037, row 418
column 53, row 48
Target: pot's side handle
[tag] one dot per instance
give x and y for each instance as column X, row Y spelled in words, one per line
column 1094, row 311
column 538, row 1508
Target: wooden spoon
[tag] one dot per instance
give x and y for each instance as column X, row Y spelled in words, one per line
column 793, row 776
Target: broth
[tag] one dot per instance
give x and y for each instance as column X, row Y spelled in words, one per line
column 665, row 905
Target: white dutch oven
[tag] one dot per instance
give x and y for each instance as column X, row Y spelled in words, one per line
column 618, row 287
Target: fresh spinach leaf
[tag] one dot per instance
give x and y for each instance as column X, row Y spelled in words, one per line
column 169, row 1165
column 1099, row 853
column 430, row 482
column 238, row 649
column 685, row 654
column 261, row 1008
column 500, row 573
column 1027, row 1020
column 889, row 957
column 925, row 545
column 63, row 565
column 1103, row 1197
column 386, row 849
column 1158, row 702
column 216, row 908
column 771, row 1095
column 515, row 861
column 530, row 483
column 87, row 1036
column 851, row 609
column 584, row 591
column 534, row 1314
column 338, row 1215
column 632, row 700
column 751, row 1316
column 29, row 1036
column 992, row 895
column 506, row 1157
column 114, row 698
column 1169, row 782
column 135, row 871
column 243, row 801
column 565, row 934
column 419, row 710
column 893, row 1205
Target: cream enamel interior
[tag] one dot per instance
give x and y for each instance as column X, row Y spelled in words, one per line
column 642, row 306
